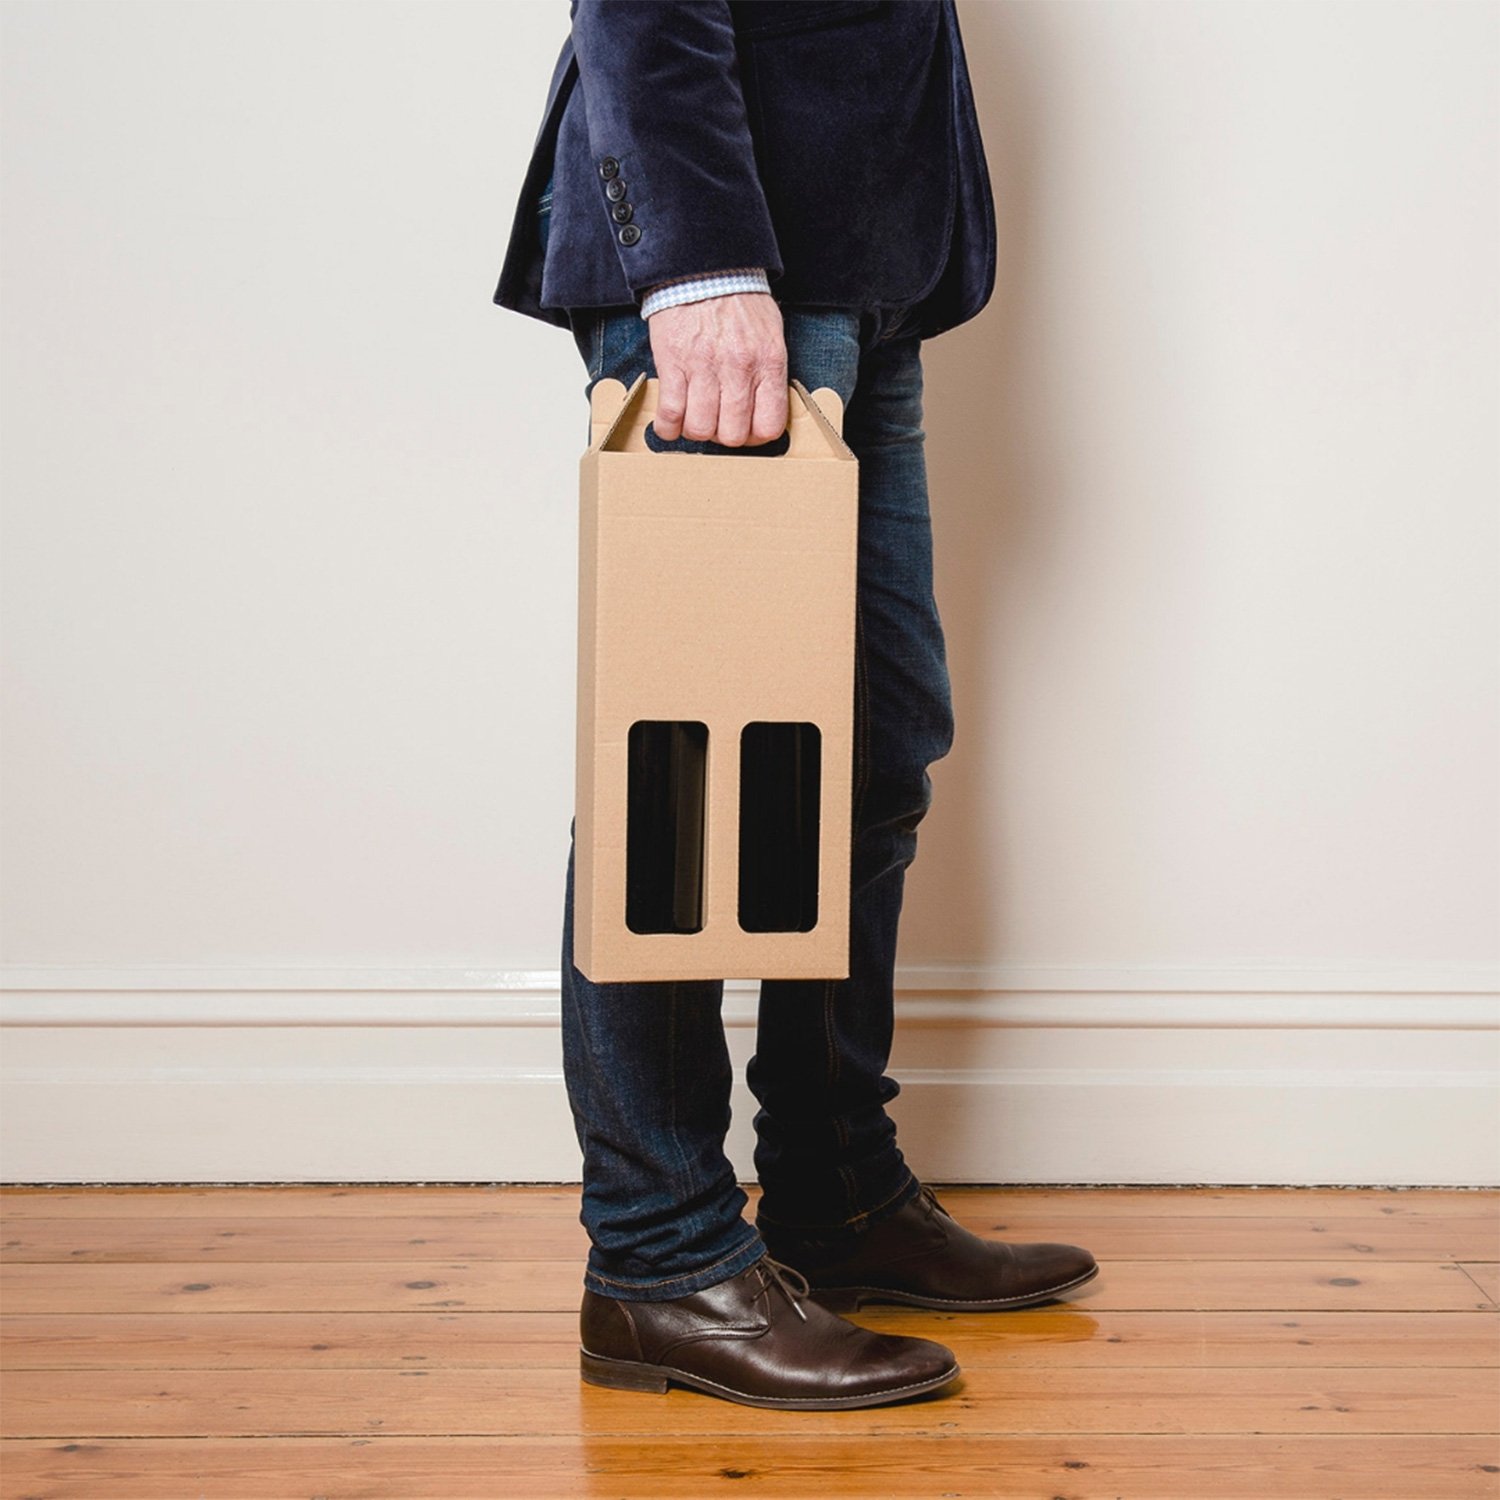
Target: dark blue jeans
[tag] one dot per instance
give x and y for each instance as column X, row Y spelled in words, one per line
column 647, row 1065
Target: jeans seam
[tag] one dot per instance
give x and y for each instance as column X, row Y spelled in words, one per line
column 862, row 741
column 830, row 1051
column 597, row 369
column 684, row 1180
column 840, row 1125
column 875, row 1208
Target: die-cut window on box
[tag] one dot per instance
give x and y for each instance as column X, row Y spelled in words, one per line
column 780, row 807
column 664, row 825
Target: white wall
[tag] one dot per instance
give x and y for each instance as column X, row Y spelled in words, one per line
column 1209, row 889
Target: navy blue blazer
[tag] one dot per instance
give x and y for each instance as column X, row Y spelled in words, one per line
column 834, row 142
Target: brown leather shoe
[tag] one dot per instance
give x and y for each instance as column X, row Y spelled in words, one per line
column 754, row 1339
column 921, row 1256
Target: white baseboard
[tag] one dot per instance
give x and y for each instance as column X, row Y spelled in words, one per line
column 1245, row 1074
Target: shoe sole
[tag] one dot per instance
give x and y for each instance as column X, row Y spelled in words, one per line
column 634, row 1375
column 852, row 1298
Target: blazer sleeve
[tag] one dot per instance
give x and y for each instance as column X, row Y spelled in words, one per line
column 666, row 118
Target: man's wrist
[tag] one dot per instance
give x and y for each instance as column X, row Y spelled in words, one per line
column 701, row 288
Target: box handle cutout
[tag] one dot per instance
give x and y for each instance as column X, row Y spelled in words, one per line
column 621, row 423
column 664, row 825
column 774, row 449
column 780, row 817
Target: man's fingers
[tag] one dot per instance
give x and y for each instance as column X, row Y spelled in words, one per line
column 736, row 404
column 671, row 404
column 770, row 408
column 702, row 417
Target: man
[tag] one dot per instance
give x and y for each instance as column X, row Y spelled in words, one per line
column 727, row 194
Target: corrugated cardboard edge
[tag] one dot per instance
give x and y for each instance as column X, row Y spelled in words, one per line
column 835, row 431
column 600, row 398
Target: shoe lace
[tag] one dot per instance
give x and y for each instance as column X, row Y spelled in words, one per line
column 777, row 1271
column 929, row 1203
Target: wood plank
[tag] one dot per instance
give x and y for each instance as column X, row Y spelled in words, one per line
column 1264, row 1467
column 1486, row 1278
column 1033, row 1338
column 289, row 1200
column 524, row 1200
column 556, row 1286
column 81, row 1404
column 549, row 1237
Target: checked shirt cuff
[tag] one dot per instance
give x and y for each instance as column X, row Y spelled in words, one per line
column 700, row 288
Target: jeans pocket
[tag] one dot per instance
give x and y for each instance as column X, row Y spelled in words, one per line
column 897, row 323
column 587, row 327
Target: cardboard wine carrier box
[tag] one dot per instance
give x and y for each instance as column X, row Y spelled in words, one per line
column 716, row 596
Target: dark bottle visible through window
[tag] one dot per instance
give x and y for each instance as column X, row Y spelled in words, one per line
column 780, row 786
column 664, row 828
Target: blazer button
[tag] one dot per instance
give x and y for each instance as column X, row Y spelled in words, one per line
column 608, row 168
column 630, row 234
column 614, row 190
column 621, row 213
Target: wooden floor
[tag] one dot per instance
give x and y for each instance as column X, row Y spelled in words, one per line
column 422, row 1342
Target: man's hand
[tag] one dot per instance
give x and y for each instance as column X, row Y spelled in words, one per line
column 721, row 364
